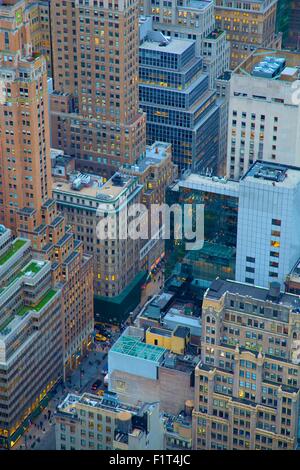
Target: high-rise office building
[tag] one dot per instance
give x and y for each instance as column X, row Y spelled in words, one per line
column 31, row 353
column 267, row 243
column 247, row 383
column 88, row 422
column 283, row 17
column 288, row 22
column 155, row 171
column 293, row 40
column 263, row 92
column 41, row 29
column 217, row 257
column 180, row 107
column 189, row 19
column 120, row 263
column 95, row 113
column 72, row 271
column 24, row 139
column 86, row 203
column 250, row 226
column 223, row 94
column 25, row 167
column 249, row 25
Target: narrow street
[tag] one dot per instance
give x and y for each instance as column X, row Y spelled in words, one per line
column 40, row 435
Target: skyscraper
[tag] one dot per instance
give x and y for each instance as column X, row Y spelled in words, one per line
column 288, row 22
column 189, row 19
column 25, row 170
column 249, row 25
column 263, row 92
column 26, row 206
column 31, row 354
column 180, row 107
column 247, row 383
column 267, row 242
column 95, row 112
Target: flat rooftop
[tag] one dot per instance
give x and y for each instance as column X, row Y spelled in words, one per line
column 95, row 188
column 219, row 287
column 173, row 46
column 155, row 154
column 108, row 402
column 208, row 183
column 134, row 347
column 13, row 249
column 270, row 56
column 3, row 230
column 162, row 300
column 273, row 174
column 198, row 4
column 160, row 331
column 181, row 319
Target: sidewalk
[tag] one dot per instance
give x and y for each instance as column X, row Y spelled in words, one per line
column 40, row 435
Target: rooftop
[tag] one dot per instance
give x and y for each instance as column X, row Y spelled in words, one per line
column 3, row 230
column 15, row 247
column 172, row 46
column 43, row 301
column 182, row 319
column 273, row 173
column 160, row 331
column 109, row 401
column 155, row 154
column 215, row 34
column 181, row 332
column 208, row 183
column 219, row 287
column 198, row 4
column 93, row 187
column 134, row 347
column 271, row 64
column 13, row 321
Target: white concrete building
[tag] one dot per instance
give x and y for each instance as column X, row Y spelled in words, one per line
column 264, row 112
column 268, row 242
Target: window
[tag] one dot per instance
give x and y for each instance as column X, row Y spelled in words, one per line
column 276, row 222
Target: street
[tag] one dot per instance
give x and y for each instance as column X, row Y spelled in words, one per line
column 40, row 435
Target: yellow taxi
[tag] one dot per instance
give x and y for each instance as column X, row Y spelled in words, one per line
column 100, row 337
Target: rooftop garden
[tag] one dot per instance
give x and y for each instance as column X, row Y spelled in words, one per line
column 44, row 300
column 15, row 247
column 33, row 267
column 215, row 34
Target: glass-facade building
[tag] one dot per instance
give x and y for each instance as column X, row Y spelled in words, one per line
column 180, row 108
column 217, row 257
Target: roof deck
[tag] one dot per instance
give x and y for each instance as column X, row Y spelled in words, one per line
column 134, row 347
column 15, row 247
column 271, row 64
column 273, row 174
